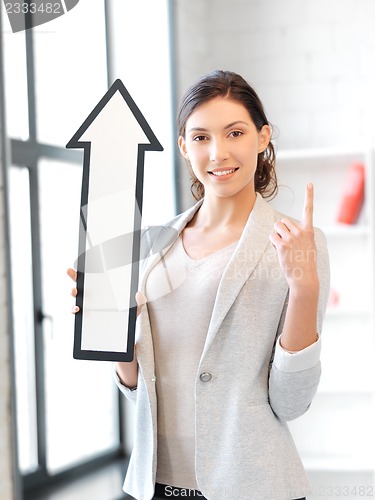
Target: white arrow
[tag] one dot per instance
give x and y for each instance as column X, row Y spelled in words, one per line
column 114, row 137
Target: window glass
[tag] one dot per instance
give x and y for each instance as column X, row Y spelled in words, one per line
column 14, row 51
column 70, row 70
column 81, row 397
column 146, row 73
column 70, row 74
column 21, row 263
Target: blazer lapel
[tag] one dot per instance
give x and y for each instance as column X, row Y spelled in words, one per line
column 249, row 250
column 154, row 247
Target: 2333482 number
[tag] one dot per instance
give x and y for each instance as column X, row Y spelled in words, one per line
column 33, row 8
column 347, row 491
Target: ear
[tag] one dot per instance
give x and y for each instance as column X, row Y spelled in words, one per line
column 182, row 147
column 264, row 138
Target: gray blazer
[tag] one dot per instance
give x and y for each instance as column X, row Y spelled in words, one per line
column 244, row 449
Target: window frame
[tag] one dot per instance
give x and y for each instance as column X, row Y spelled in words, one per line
column 27, row 153
column 4, row 162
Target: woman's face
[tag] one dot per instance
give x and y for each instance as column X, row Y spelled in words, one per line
column 222, row 144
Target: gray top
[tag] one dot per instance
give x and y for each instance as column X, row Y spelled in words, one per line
column 176, row 283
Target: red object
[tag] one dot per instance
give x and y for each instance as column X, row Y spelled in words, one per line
column 353, row 195
column 333, row 298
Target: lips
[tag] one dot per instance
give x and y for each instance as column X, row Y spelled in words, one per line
column 222, row 172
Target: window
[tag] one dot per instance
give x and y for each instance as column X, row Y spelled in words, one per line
column 68, row 411
column 81, row 404
column 23, row 323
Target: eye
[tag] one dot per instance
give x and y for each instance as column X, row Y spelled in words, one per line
column 236, row 133
column 200, row 138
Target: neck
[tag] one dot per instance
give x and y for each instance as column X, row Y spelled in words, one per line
column 219, row 212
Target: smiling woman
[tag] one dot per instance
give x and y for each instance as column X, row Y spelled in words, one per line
column 228, row 344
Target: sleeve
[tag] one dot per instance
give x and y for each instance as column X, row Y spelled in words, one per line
column 294, row 378
column 130, row 394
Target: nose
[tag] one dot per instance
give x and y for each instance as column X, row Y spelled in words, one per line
column 219, row 151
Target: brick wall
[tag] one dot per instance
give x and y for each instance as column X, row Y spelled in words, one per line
column 312, row 62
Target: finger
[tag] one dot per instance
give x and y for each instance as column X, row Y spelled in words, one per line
column 291, row 225
column 74, row 292
column 281, row 229
column 308, row 208
column 72, row 273
column 274, row 239
column 75, row 309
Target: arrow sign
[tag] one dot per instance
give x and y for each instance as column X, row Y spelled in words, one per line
column 114, row 137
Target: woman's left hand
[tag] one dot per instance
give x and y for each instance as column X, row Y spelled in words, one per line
column 295, row 245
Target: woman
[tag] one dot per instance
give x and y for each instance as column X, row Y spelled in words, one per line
column 228, row 346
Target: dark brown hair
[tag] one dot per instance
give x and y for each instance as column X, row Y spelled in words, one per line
column 228, row 84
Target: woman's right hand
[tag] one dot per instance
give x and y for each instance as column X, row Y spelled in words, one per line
column 72, row 273
column 127, row 372
column 139, row 296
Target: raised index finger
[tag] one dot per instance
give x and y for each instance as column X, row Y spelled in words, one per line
column 308, row 208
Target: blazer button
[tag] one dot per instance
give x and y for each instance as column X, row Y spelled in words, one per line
column 205, row 377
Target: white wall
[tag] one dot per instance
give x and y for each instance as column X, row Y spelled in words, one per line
column 312, row 62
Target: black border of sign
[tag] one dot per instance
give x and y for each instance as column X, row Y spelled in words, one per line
column 75, row 142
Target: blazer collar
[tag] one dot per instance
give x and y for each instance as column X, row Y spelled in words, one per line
column 155, row 246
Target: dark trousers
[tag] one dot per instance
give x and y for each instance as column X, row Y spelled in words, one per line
column 163, row 491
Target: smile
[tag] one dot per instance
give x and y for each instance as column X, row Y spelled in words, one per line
column 219, row 173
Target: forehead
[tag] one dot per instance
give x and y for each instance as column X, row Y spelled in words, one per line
column 218, row 112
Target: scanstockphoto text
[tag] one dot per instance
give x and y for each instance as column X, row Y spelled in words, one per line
column 323, row 491
column 118, row 252
column 226, row 492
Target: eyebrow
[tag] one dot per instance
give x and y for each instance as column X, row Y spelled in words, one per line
column 201, row 129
